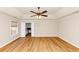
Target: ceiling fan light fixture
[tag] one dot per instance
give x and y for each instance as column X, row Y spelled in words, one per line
column 38, row 17
column 39, row 13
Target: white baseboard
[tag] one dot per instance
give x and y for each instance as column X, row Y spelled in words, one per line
column 44, row 36
column 12, row 39
column 8, row 40
column 68, row 42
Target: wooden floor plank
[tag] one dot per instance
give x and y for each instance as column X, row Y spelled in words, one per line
column 39, row 44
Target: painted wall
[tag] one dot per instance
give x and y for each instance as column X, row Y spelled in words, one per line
column 69, row 29
column 45, row 28
column 5, row 34
column 23, row 30
column 42, row 28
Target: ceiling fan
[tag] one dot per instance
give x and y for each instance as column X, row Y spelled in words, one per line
column 39, row 13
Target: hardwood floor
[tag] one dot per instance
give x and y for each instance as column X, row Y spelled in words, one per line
column 39, row 44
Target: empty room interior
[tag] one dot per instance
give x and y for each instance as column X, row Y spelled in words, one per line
column 39, row 29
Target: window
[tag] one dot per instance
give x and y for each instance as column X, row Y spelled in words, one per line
column 14, row 27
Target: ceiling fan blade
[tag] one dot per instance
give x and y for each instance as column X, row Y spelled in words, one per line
column 33, row 12
column 33, row 15
column 44, row 12
column 45, row 15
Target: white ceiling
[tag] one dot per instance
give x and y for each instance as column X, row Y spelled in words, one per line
column 53, row 13
column 51, row 10
column 26, row 12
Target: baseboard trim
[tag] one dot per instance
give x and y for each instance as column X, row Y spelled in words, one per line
column 40, row 36
column 68, row 42
column 45, row 36
column 9, row 42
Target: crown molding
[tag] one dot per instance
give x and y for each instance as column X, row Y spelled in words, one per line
column 37, row 19
column 72, row 13
column 8, row 14
column 75, row 12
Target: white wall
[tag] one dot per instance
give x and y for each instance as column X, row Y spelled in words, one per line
column 43, row 28
column 23, row 32
column 69, row 29
column 5, row 35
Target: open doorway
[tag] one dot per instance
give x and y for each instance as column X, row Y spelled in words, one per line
column 27, row 29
